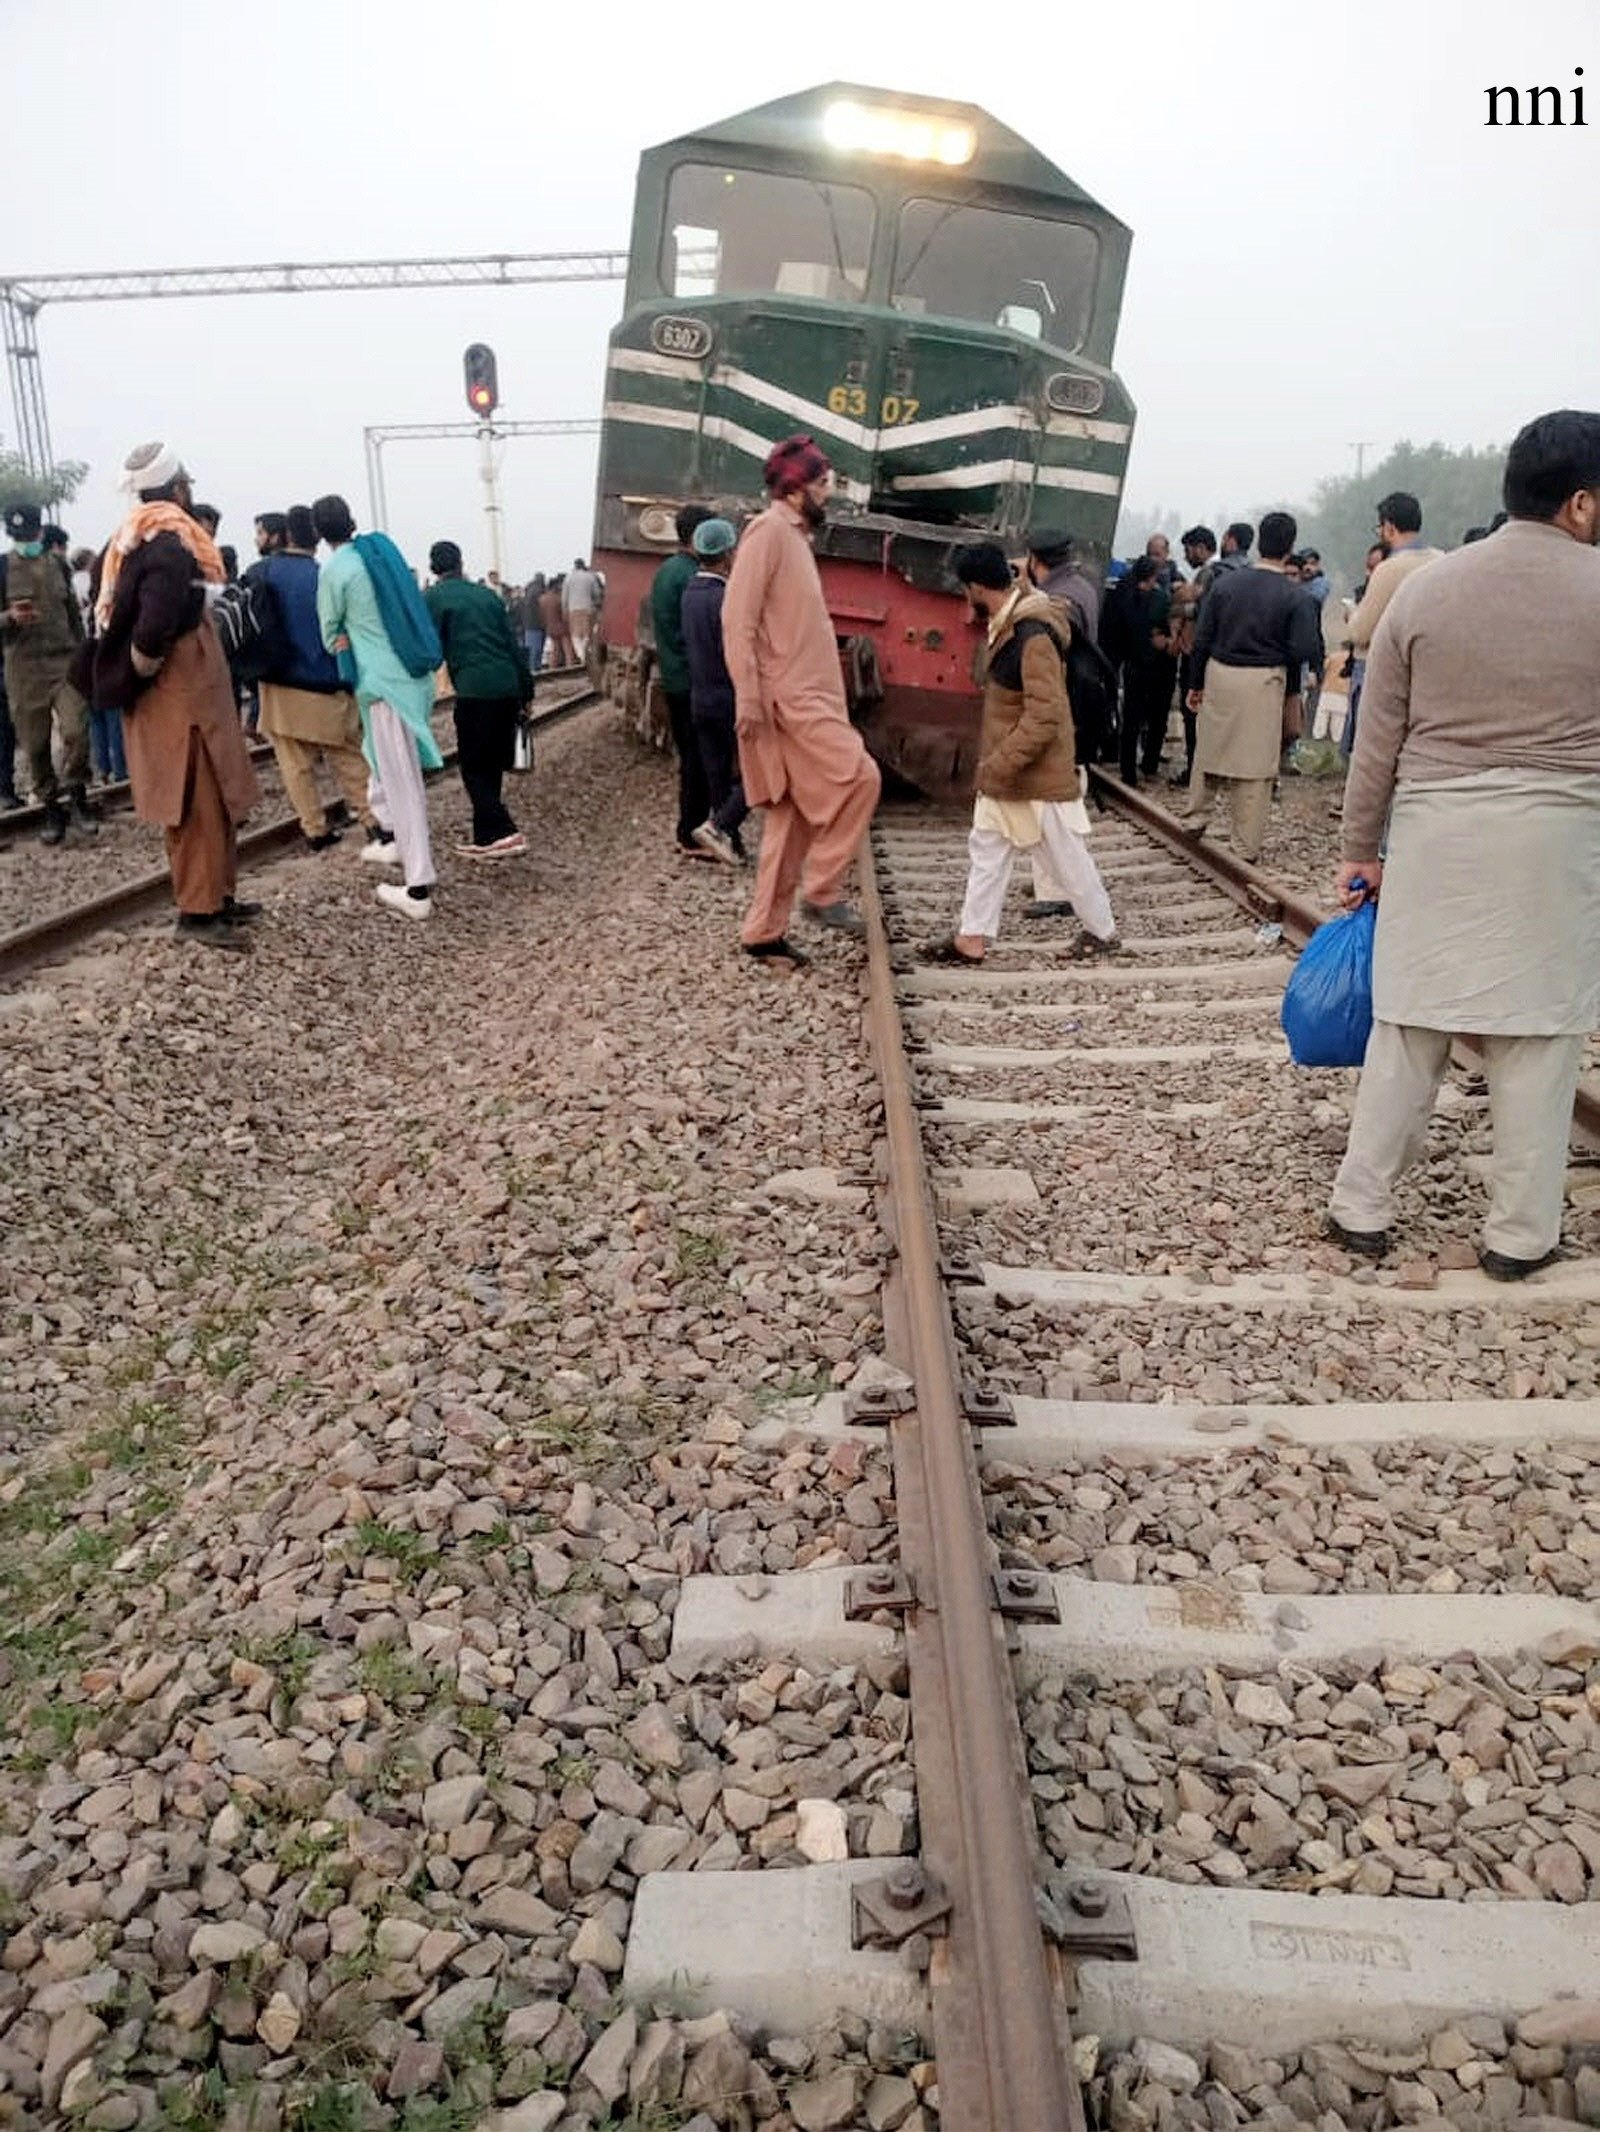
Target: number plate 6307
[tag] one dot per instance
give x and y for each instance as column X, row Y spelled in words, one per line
column 689, row 338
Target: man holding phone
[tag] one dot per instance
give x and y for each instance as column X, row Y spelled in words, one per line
column 41, row 627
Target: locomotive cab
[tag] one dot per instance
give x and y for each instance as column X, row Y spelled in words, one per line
column 930, row 298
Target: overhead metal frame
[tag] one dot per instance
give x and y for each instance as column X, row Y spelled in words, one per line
column 19, row 316
column 23, row 296
column 378, row 434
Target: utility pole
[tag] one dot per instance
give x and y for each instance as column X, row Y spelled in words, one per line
column 1361, row 450
column 489, row 473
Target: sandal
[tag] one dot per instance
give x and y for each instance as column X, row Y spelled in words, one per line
column 1088, row 948
column 777, row 952
column 945, row 951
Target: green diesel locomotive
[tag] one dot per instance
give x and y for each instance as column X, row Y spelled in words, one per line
column 937, row 304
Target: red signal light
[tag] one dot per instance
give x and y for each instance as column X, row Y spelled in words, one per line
column 482, row 379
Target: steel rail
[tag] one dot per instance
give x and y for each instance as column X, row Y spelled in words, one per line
column 1001, row 2039
column 16, row 823
column 30, row 945
column 1267, row 899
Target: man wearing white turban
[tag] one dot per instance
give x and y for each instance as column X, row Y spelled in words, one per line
column 158, row 660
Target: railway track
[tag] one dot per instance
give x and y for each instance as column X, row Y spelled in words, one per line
column 1247, row 1593
column 116, row 798
column 27, row 946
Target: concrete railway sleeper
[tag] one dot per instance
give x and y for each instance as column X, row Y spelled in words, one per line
column 1295, row 1560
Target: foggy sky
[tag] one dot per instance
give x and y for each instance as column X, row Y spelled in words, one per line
column 1329, row 244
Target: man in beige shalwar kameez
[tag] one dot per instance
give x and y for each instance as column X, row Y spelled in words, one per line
column 306, row 708
column 1258, row 629
column 799, row 755
column 1479, row 743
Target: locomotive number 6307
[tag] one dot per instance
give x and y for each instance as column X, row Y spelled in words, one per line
column 852, row 400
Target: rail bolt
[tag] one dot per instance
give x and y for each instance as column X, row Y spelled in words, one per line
column 905, row 1885
column 1088, row 1898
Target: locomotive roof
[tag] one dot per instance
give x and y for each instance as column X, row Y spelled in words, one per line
column 791, row 128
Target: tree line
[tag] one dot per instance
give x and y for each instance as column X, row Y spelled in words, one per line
column 1456, row 489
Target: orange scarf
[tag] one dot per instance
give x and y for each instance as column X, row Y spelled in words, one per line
column 143, row 523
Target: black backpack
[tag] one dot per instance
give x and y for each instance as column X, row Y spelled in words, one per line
column 246, row 618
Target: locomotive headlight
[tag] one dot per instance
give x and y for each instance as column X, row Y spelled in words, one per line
column 912, row 136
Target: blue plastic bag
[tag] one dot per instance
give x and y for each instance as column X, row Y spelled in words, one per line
column 1327, row 1006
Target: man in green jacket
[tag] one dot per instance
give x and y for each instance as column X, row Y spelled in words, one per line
column 493, row 684
column 672, row 657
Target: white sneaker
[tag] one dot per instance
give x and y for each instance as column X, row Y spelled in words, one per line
column 395, row 898
column 380, row 851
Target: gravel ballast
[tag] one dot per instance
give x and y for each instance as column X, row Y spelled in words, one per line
column 395, row 1304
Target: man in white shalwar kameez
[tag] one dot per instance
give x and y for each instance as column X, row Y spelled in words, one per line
column 1029, row 785
column 1479, row 742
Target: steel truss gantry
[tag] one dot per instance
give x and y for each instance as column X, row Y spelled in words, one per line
column 23, row 296
column 378, row 434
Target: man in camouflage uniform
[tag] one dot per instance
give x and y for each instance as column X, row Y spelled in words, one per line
column 41, row 627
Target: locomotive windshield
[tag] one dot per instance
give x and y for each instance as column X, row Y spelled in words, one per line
column 754, row 233
column 997, row 268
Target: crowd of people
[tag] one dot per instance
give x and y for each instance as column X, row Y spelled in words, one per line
column 143, row 658
column 1473, row 797
column 1472, row 804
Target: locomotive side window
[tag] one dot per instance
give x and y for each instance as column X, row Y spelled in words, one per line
column 755, row 233
column 1022, row 272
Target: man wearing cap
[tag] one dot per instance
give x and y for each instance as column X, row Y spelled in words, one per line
column 672, row 662
column 799, row 755
column 711, row 692
column 41, row 627
column 158, row 660
column 493, row 685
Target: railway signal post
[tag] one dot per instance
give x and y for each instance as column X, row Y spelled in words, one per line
column 483, row 397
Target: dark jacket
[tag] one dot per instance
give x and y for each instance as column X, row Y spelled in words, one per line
column 299, row 658
column 1025, row 748
column 485, row 656
column 666, row 613
column 710, row 685
column 1257, row 618
column 1145, row 614
column 160, row 597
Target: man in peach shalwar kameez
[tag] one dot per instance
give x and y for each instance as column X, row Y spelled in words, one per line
column 801, row 758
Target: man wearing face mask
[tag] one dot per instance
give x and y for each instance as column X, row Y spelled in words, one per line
column 799, row 755
column 41, row 627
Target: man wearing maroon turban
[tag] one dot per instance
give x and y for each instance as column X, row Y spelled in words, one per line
column 801, row 758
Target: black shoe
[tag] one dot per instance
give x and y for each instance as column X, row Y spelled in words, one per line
column 55, row 824
column 209, row 929
column 1365, row 1243
column 1048, row 908
column 1501, row 1268
column 233, row 912
column 325, row 842
column 85, row 815
column 10, row 804
column 837, row 917
column 777, row 952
